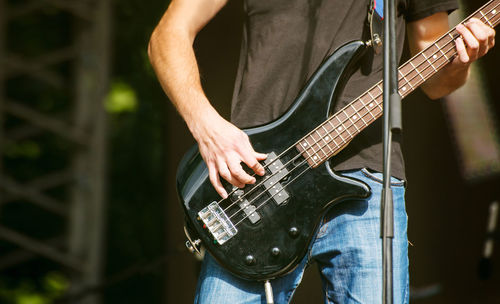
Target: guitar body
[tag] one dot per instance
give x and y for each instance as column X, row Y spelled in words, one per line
column 264, row 230
column 274, row 236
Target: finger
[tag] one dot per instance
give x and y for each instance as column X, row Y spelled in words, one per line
column 214, row 179
column 480, row 32
column 463, row 57
column 470, row 41
column 488, row 30
column 239, row 174
column 491, row 37
column 249, row 158
column 260, row 156
column 226, row 174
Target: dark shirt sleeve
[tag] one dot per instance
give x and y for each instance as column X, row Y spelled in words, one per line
column 419, row 9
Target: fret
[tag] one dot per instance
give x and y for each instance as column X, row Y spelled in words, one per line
column 315, row 158
column 364, row 105
column 353, row 123
column 486, row 18
column 340, row 130
column 416, row 70
column 371, row 105
column 371, row 97
column 405, row 79
column 361, row 115
column 309, row 145
column 342, row 126
column 326, row 143
column 365, row 113
column 403, row 85
column 314, row 155
column 355, row 117
column 334, row 129
column 443, row 60
column 319, row 146
column 348, row 111
column 327, row 138
column 444, row 54
column 339, row 134
column 306, row 144
column 374, row 102
column 379, row 107
column 341, row 117
column 451, row 36
column 427, row 59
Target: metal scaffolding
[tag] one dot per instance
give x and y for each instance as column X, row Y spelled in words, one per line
column 79, row 124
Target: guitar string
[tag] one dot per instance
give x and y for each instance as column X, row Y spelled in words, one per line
column 415, row 68
column 403, row 78
column 305, row 161
column 439, row 49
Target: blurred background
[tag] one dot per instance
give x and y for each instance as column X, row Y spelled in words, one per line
column 90, row 144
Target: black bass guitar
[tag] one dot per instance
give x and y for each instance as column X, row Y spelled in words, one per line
column 263, row 230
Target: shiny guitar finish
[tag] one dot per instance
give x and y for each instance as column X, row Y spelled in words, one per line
column 264, row 230
column 278, row 240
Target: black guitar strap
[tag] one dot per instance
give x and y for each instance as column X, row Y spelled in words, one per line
column 375, row 22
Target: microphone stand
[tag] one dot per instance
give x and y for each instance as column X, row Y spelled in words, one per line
column 392, row 123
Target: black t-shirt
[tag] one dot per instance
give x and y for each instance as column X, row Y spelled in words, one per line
column 284, row 42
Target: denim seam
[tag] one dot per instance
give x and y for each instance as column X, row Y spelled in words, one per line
column 380, row 181
column 406, row 291
column 323, row 228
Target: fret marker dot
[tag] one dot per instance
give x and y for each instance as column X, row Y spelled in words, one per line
column 315, row 157
column 371, row 104
column 339, row 128
column 327, row 138
column 435, row 56
column 354, row 117
column 403, row 88
column 304, row 144
column 493, row 12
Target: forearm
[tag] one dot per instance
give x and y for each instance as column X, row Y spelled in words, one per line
column 173, row 59
column 222, row 145
column 450, row 78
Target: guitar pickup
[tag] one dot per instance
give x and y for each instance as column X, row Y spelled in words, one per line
column 272, row 184
column 248, row 209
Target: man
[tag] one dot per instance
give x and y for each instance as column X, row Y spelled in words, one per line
column 284, row 42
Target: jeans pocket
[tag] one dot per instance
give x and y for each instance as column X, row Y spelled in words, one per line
column 377, row 177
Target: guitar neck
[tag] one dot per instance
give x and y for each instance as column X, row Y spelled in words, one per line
column 334, row 134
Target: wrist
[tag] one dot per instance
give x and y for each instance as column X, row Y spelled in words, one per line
column 201, row 121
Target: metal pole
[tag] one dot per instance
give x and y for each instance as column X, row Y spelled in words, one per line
column 392, row 122
column 3, row 30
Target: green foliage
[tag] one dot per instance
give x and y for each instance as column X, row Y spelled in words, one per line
column 121, row 98
column 25, row 149
column 52, row 286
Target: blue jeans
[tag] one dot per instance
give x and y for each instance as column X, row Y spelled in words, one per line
column 347, row 250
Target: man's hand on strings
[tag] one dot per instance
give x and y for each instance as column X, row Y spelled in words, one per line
column 224, row 147
column 476, row 40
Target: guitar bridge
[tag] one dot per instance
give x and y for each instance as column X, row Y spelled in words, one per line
column 217, row 222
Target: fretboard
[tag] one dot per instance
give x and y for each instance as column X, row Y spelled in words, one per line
column 334, row 134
